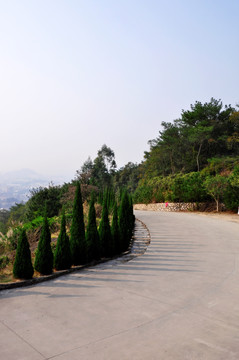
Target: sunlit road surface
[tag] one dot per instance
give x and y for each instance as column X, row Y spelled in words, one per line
column 179, row 300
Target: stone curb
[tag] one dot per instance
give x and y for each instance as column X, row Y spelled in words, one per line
column 126, row 256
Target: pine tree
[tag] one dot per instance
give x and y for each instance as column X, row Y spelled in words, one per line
column 92, row 235
column 105, row 233
column 44, row 256
column 62, row 257
column 77, row 238
column 115, row 231
column 22, row 267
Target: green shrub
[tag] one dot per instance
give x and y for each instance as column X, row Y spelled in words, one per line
column 126, row 221
column 44, row 256
column 105, row 232
column 92, row 235
column 143, row 193
column 62, row 255
column 4, row 261
column 77, row 238
column 14, row 237
column 22, row 267
column 115, row 231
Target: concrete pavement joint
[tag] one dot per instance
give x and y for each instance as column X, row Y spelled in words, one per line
column 162, row 317
column 227, row 324
column 165, row 316
column 22, row 339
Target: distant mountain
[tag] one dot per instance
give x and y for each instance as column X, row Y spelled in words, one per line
column 23, row 175
column 15, row 185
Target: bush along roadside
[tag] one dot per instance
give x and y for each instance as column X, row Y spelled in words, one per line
column 77, row 246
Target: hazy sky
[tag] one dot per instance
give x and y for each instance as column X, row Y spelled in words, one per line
column 77, row 74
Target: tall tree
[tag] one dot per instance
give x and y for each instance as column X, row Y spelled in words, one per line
column 216, row 186
column 127, row 177
column 22, row 267
column 100, row 171
column 205, row 131
column 44, row 256
column 85, row 172
column 77, row 237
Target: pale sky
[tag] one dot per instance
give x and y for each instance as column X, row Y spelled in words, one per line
column 75, row 75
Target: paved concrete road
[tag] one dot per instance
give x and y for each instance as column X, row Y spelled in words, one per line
column 180, row 300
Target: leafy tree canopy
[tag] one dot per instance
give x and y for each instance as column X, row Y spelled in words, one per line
column 100, row 171
column 48, row 197
column 205, row 131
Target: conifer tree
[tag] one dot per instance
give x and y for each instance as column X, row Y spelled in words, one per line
column 105, row 232
column 77, row 238
column 92, row 235
column 131, row 214
column 125, row 221
column 115, row 231
column 22, row 267
column 62, row 257
column 44, row 256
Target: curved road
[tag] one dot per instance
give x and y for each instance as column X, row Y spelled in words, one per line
column 180, row 300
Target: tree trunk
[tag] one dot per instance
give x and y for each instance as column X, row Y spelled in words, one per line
column 198, row 154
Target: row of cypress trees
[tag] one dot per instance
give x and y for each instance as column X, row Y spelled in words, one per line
column 83, row 246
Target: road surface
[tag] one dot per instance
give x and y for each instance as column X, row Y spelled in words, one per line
column 179, row 300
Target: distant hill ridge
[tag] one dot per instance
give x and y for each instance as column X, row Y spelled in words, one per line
column 15, row 185
column 25, row 175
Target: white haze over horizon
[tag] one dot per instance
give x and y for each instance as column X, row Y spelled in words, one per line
column 75, row 75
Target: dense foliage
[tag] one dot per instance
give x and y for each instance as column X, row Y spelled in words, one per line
column 203, row 132
column 109, row 239
column 218, row 183
column 48, row 197
column 4, row 217
column 100, row 171
column 194, row 159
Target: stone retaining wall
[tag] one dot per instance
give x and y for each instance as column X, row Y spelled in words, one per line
column 167, row 207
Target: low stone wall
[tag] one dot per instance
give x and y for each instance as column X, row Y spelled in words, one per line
column 167, row 207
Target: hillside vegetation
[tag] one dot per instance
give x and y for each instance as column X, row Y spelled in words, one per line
column 194, row 159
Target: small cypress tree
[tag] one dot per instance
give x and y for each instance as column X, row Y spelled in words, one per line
column 109, row 197
column 22, row 267
column 131, row 213
column 105, row 233
column 125, row 221
column 115, row 231
column 62, row 256
column 44, row 256
column 92, row 235
column 77, row 238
